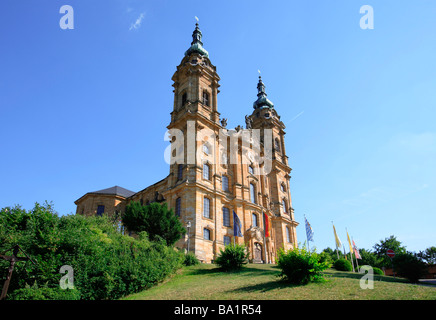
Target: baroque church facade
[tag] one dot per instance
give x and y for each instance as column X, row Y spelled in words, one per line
column 215, row 176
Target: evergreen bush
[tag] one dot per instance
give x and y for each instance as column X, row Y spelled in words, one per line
column 378, row 271
column 190, row 259
column 343, row 265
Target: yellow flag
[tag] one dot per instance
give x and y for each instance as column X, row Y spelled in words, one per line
column 338, row 242
column 349, row 243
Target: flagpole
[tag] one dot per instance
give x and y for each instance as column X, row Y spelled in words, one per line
column 357, row 263
column 307, row 239
column 351, row 250
column 336, row 243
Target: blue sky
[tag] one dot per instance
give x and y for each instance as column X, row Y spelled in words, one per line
column 87, row 109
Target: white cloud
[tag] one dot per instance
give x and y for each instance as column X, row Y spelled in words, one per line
column 138, row 22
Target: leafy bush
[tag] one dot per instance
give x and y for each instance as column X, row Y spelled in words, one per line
column 190, row 259
column 299, row 266
column 106, row 263
column 409, row 266
column 377, row 271
column 326, row 257
column 343, row 265
column 374, row 269
column 233, row 257
column 44, row 293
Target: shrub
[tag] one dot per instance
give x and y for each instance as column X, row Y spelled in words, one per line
column 326, row 257
column 299, row 266
column 233, row 257
column 378, row 271
column 409, row 266
column 190, row 259
column 106, row 263
column 44, row 293
column 374, row 269
column 343, row 265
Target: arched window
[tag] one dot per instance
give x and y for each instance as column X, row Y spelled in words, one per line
column 254, row 220
column 180, row 172
column 178, row 206
column 283, row 187
column 205, row 98
column 206, row 171
column 226, row 217
column 226, row 240
column 184, row 98
column 285, row 206
column 206, row 234
column 205, row 148
column 206, row 207
column 277, row 144
column 100, row 210
column 225, row 182
column 251, row 169
column 288, row 235
column 252, row 192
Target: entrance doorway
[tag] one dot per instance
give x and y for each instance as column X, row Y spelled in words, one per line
column 257, row 253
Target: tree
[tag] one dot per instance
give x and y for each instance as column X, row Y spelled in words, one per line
column 409, row 266
column 106, row 263
column 428, row 256
column 155, row 219
column 381, row 248
column 369, row 258
column 332, row 253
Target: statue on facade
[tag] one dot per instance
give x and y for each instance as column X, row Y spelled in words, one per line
column 224, row 122
column 248, row 122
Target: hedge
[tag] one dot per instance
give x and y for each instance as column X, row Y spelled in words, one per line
column 106, row 263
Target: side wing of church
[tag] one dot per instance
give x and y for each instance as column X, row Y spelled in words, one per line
column 211, row 176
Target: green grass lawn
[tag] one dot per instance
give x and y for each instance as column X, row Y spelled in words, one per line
column 260, row 282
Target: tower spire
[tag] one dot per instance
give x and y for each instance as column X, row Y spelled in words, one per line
column 262, row 101
column 261, row 88
column 197, row 44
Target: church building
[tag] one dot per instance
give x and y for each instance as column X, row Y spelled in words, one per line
column 216, row 178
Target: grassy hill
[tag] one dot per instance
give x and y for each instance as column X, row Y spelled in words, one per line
column 260, row 282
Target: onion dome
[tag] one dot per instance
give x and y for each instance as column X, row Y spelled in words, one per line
column 262, row 101
column 196, row 44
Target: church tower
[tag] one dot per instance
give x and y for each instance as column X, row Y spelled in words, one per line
column 277, row 196
column 195, row 83
column 193, row 178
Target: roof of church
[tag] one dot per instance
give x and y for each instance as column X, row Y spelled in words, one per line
column 262, row 101
column 196, row 44
column 119, row 191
